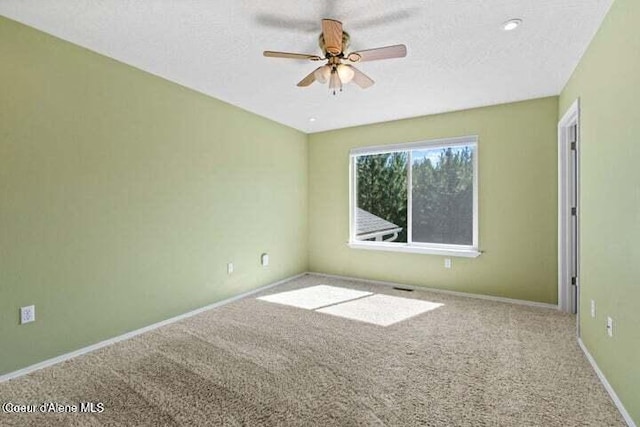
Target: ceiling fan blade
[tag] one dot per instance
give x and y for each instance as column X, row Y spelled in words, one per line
column 388, row 52
column 288, row 55
column 360, row 78
column 308, row 79
column 385, row 19
column 332, row 33
column 282, row 22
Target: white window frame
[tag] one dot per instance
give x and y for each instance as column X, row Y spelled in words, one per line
column 467, row 251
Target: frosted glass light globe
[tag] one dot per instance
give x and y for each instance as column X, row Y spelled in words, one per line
column 322, row 74
column 346, row 73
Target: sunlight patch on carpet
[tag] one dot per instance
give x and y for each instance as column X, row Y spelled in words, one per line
column 382, row 310
column 315, row 296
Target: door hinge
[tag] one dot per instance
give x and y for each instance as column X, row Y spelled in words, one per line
column 573, row 146
column 574, row 211
column 574, row 280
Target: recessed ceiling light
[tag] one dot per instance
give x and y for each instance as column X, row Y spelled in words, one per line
column 511, row 24
column 312, row 119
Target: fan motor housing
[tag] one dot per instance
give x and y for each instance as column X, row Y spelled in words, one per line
column 345, row 44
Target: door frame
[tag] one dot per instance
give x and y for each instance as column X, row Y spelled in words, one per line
column 565, row 132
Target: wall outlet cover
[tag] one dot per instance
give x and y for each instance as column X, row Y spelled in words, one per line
column 447, row 263
column 27, row 314
column 593, row 308
column 230, row 268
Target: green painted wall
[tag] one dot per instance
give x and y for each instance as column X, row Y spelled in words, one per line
column 123, row 197
column 607, row 82
column 517, row 202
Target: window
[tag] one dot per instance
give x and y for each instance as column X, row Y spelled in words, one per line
column 418, row 197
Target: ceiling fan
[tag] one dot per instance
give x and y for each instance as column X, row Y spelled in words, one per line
column 333, row 42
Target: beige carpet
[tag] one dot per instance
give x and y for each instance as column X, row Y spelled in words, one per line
column 468, row 363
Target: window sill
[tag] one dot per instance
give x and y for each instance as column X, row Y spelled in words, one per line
column 464, row 253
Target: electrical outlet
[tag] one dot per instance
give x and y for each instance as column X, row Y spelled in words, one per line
column 593, row 308
column 609, row 326
column 230, row 268
column 447, row 263
column 27, row 314
column 264, row 259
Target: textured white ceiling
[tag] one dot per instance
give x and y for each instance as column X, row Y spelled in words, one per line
column 458, row 55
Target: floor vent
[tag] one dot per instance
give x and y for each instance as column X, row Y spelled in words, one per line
column 402, row 289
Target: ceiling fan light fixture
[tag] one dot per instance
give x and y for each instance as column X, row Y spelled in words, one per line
column 323, row 74
column 345, row 72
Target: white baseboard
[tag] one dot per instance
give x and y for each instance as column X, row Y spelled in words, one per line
column 443, row 291
column 93, row 347
column 607, row 386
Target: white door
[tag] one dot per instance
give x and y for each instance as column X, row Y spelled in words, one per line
column 568, row 211
column 573, row 229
